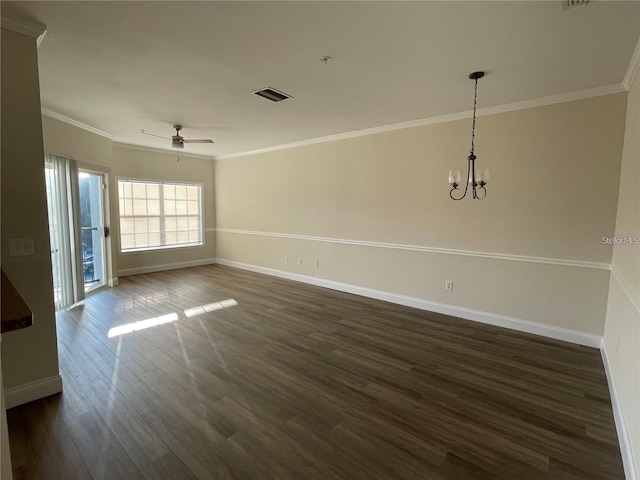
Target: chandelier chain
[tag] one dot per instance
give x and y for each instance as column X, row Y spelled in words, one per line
column 473, row 123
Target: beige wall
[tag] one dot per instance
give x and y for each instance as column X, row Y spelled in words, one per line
column 92, row 152
column 151, row 165
column 622, row 328
column 28, row 355
column 552, row 196
column 69, row 141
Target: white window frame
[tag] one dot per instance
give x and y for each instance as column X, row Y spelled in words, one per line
column 161, row 183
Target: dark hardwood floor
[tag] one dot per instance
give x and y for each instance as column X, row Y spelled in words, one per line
column 272, row 379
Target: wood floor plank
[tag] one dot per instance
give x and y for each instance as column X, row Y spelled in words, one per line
column 102, row 453
column 167, row 466
column 196, row 452
column 48, row 451
column 259, row 378
column 138, row 439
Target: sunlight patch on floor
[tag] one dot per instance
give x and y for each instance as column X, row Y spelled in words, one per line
column 142, row 324
column 170, row 317
column 210, row 307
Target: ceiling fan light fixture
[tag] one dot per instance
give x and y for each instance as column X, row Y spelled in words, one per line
column 177, row 140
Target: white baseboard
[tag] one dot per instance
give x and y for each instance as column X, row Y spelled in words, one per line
column 630, row 472
column 166, row 266
column 32, row 391
column 558, row 333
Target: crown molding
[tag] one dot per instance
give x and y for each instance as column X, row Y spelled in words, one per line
column 633, row 68
column 25, row 27
column 509, row 107
column 70, row 121
column 131, row 146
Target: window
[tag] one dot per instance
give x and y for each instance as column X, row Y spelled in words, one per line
column 156, row 215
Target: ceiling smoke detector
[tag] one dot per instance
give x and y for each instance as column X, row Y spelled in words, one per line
column 272, row 94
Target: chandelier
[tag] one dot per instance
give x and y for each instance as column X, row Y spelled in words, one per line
column 476, row 180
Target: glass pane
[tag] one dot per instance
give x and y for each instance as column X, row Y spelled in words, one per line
column 170, row 224
column 171, row 238
column 181, row 207
column 140, row 225
column 126, row 225
column 92, row 228
column 169, row 191
column 154, row 224
column 141, row 240
column 153, row 207
column 124, row 189
column 181, row 192
column 182, row 223
column 126, row 241
column 193, row 193
column 154, row 240
column 169, row 207
column 153, row 190
column 139, row 206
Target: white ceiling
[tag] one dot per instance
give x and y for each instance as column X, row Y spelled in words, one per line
column 125, row 66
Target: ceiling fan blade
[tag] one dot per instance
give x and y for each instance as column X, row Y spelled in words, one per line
column 198, row 141
column 154, row 135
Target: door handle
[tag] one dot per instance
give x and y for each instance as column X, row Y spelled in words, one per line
column 106, row 232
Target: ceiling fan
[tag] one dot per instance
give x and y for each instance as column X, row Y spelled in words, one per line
column 177, row 140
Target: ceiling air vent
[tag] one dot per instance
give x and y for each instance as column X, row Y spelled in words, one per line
column 272, row 94
column 574, row 3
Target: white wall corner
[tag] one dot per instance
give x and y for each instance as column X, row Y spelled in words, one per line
column 633, row 68
column 25, row 27
column 113, row 282
column 32, row 391
column 630, row 471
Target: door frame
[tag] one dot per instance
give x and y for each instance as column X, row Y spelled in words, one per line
column 109, row 268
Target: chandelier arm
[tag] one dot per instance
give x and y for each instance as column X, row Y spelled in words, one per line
column 472, row 173
column 466, row 183
column 459, row 198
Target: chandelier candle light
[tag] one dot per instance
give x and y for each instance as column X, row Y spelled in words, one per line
column 476, row 180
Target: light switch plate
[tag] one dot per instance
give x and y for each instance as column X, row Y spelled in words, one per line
column 20, row 247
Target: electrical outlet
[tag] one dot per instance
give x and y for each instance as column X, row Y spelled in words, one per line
column 315, row 263
column 286, row 258
column 299, row 260
column 618, row 346
column 448, row 285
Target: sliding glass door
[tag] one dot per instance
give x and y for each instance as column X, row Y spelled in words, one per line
column 76, row 206
column 92, row 227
